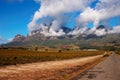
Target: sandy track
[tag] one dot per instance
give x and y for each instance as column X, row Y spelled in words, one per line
column 42, row 70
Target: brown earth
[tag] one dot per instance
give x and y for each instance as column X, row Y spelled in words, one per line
column 50, row 70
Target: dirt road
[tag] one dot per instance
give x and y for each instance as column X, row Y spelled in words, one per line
column 43, row 70
column 106, row 70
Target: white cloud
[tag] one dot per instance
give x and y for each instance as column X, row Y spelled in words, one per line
column 10, row 39
column 100, row 32
column 2, row 40
column 115, row 29
column 79, row 31
column 89, row 15
column 55, row 8
column 105, row 9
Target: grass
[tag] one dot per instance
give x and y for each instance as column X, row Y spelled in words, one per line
column 12, row 57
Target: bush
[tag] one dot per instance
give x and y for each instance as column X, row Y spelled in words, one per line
column 46, row 50
column 36, row 48
column 59, row 50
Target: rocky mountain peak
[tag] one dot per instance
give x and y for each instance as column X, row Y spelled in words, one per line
column 101, row 27
column 18, row 38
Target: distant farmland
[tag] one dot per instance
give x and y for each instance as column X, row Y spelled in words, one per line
column 13, row 57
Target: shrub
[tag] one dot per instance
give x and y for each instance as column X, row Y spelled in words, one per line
column 59, row 50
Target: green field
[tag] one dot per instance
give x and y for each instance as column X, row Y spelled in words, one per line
column 13, row 57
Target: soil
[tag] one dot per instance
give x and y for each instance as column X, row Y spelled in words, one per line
column 49, row 70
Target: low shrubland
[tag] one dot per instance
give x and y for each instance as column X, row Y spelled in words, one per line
column 16, row 56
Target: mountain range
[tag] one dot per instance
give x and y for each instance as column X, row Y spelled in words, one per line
column 91, row 40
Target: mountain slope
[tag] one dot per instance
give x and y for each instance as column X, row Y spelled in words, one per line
column 82, row 42
column 99, row 37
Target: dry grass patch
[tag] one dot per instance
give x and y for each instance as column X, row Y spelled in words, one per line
column 12, row 57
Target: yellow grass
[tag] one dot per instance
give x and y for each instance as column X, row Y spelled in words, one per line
column 10, row 57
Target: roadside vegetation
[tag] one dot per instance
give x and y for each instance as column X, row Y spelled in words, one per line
column 18, row 56
column 117, row 52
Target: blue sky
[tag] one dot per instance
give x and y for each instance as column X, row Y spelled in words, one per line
column 15, row 15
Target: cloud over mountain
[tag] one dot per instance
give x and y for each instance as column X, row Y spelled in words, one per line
column 103, row 10
column 53, row 14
